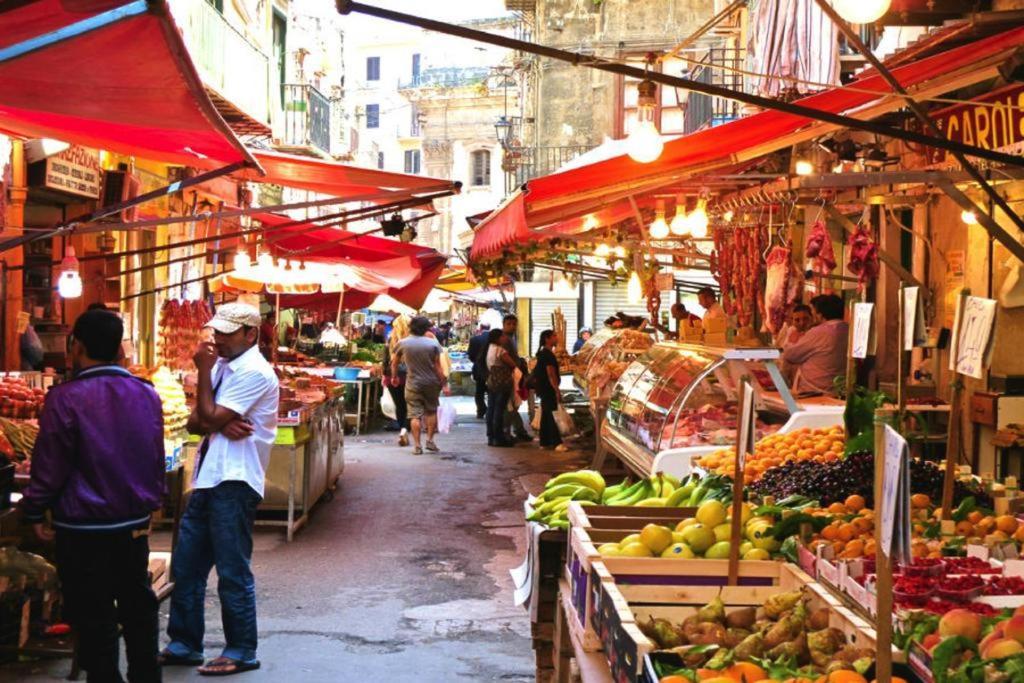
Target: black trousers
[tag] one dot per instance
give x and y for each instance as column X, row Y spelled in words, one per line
column 496, row 401
column 481, row 393
column 401, row 408
column 105, row 582
column 549, row 434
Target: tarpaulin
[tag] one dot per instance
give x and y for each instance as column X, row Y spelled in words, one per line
column 111, row 75
column 412, row 295
column 335, row 179
column 572, row 193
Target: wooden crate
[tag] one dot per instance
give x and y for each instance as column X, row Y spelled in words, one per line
column 624, row 606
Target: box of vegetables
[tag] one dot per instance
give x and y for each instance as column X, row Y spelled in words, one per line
column 792, row 629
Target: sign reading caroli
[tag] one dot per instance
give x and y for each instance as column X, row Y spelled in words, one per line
column 993, row 121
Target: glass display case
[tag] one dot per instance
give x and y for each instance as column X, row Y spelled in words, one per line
column 605, row 356
column 682, row 395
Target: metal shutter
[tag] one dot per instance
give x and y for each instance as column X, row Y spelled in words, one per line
column 609, row 300
column 540, row 320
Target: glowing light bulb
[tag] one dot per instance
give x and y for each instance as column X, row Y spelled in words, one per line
column 680, row 226
column 728, row 216
column 69, row 285
column 804, row 167
column 265, row 262
column 699, row 221
column 620, row 252
column 241, row 261
column 969, row 217
column 644, row 144
column 861, row 11
column 634, row 289
column 659, row 228
column 602, row 250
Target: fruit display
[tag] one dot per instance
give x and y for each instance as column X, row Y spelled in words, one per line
column 962, row 645
column 551, row 506
column 814, row 445
column 18, row 400
column 706, row 535
column 22, row 439
column 784, row 639
column 172, row 396
column 181, row 325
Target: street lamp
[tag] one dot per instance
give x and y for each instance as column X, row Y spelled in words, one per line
column 503, row 131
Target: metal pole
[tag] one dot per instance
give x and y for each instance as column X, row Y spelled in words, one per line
column 345, row 7
column 1008, row 241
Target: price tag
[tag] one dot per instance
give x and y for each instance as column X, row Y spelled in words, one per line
column 895, row 504
column 913, row 319
column 973, row 346
column 862, row 332
column 746, row 434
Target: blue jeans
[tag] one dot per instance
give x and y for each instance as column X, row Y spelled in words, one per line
column 215, row 531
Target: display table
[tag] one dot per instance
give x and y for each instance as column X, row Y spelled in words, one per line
column 593, row 666
column 366, row 405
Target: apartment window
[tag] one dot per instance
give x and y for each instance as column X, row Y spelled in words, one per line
column 372, row 69
column 414, row 122
column 481, row 168
column 416, row 69
column 380, row 160
column 412, row 161
column 671, row 110
column 373, row 116
column 279, row 23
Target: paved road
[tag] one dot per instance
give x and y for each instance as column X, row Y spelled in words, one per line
column 402, row 577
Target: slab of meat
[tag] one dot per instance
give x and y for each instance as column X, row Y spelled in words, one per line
column 819, row 249
column 777, row 288
column 863, row 256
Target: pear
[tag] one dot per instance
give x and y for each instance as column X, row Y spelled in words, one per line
column 713, row 611
column 666, row 635
column 735, row 636
column 752, row 646
column 741, row 618
column 795, row 648
column 782, row 602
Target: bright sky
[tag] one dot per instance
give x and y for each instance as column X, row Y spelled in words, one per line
column 445, row 10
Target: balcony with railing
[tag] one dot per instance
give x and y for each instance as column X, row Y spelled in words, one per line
column 235, row 70
column 447, row 77
column 718, row 67
column 523, row 163
column 307, row 118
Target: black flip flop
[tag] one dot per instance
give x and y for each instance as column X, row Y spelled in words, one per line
column 168, row 658
column 239, row 666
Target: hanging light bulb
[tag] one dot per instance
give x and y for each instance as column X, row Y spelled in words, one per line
column 265, row 262
column 634, row 289
column 644, row 144
column 602, row 250
column 241, row 261
column 659, row 228
column 804, row 167
column 861, row 11
column 728, row 216
column 969, row 217
column 69, row 284
column 699, row 220
column 679, row 224
column 620, row 252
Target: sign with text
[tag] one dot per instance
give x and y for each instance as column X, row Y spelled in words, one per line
column 974, row 336
column 895, row 503
column 862, row 332
column 913, row 319
column 76, row 170
column 994, row 121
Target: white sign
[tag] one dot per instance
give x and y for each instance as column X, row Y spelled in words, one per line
column 76, row 170
column 973, row 341
column 913, row 319
column 746, row 432
column 895, row 504
column 862, row 315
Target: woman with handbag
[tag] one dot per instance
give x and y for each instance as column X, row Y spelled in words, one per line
column 500, row 384
column 546, row 380
column 396, row 386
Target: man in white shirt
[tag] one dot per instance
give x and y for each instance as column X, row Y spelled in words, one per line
column 712, row 309
column 236, row 412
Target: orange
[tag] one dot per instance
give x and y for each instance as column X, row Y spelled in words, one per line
column 707, row 674
column 920, row 500
column 894, row 679
column 1007, row 524
column 855, row 503
column 745, row 672
column 964, row 529
column 831, row 532
column 869, row 548
column 837, row 509
column 843, row 676
column 862, row 525
column 847, row 532
column 674, row 679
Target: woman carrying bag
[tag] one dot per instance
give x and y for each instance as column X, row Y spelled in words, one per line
column 500, row 384
column 546, row 380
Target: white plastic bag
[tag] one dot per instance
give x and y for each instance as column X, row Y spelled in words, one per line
column 387, row 404
column 445, row 417
column 564, row 421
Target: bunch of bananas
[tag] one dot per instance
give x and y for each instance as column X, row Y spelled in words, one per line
column 551, row 507
column 664, row 490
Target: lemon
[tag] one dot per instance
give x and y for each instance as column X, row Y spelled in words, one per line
column 719, row 551
column 632, row 538
column 636, row 549
column 723, row 531
column 685, row 523
column 679, row 551
column 711, row 513
column 699, row 537
column 608, row 549
column 656, row 537
column 757, row 554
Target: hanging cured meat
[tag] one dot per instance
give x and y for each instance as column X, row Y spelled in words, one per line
column 777, row 288
column 863, row 256
column 181, row 323
column 737, row 267
column 819, row 250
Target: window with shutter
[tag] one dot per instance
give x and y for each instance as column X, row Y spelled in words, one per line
column 412, row 161
column 481, row 171
column 373, row 116
column 373, row 68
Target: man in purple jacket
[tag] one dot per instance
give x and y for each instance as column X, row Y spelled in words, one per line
column 98, row 466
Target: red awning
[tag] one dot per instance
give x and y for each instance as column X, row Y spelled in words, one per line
column 560, row 196
column 338, row 180
column 112, row 75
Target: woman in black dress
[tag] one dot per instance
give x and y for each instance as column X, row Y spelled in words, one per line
column 546, row 381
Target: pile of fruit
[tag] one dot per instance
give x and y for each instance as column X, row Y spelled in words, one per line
column 814, row 445
column 18, row 400
column 704, row 536
column 551, row 506
column 781, row 640
column 172, row 396
column 966, row 646
column 17, row 439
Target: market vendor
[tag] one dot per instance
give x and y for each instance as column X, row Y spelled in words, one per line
column 712, row 309
column 681, row 316
column 378, row 334
column 98, row 465
column 236, row 412
column 819, row 355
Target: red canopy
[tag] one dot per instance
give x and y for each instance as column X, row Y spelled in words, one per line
column 572, row 193
column 112, row 75
column 338, row 180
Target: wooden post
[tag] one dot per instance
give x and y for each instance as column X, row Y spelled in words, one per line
column 744, row 430
column 337, row 318
column 901, row 369
column 955, row 417
column 883, row 563
column 851, row 363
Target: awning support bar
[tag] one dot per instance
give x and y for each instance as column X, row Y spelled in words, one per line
column 74, row 30
column 346, row 6
column 993, row 228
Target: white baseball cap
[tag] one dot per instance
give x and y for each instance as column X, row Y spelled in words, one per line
column 230, row 317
